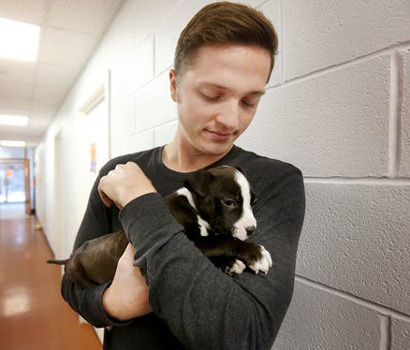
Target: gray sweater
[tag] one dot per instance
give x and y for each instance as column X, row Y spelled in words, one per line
column 195, row 305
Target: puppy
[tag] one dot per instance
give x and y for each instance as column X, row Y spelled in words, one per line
column 215, row 209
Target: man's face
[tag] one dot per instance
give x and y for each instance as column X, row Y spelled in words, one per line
column 217, row 96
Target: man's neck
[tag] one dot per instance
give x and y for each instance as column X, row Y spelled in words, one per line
column 180, row 160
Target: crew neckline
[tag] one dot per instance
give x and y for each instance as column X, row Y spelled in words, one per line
column 176, row 175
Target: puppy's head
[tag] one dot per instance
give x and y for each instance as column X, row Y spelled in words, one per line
column 224, row 199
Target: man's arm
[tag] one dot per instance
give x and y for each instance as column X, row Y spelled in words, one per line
column 96, row 222
column 200, row 303
column 127, row 296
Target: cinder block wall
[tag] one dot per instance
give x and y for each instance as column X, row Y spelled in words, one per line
column 337, row 107
column 341, row 113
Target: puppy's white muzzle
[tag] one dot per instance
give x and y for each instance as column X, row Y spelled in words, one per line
column 246, row 225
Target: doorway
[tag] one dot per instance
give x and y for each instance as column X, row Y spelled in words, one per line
column 14, row 188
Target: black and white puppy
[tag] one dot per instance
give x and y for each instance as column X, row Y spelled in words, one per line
column 215, row 209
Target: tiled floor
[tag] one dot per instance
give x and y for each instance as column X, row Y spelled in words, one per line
column 33, row 314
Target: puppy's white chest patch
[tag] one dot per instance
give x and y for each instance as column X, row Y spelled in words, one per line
column 247, row 218
column 203, row 225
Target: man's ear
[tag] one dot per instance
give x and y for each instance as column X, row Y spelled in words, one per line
column 198, row 182
column 173, row 85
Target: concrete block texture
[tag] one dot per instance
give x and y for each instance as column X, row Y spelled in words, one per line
column 273, row 10
column 137, row 142
column 136, row 69
column 122, row 116
column 356, row 239
column 119, row 38
column 131, row 74
column 165, row 133
column 400, row 331
column 147, row 15
column 153, row 104
column 167, row 32
column 404, row 167
column 318, row 320
column 320, row 34
column 333, row 124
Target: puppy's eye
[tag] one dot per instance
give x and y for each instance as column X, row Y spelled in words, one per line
column 229, row 203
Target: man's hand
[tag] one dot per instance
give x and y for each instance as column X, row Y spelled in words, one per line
column 127, row 296
column 123, row 184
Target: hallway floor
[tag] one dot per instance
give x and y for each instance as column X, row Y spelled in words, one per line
column 33, row 315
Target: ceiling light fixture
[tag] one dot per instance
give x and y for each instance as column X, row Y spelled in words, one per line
column 8, row 143
column 19, row 40
column 16, row 120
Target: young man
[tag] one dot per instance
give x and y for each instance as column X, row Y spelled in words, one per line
column 174, row 297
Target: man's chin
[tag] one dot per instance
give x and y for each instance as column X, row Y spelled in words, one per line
column 217, row 149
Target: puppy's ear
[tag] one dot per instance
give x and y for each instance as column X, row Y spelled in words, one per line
column 198, row 182
column 254, row 199
column 239, row 168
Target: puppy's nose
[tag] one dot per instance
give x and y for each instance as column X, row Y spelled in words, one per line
column 250, row 230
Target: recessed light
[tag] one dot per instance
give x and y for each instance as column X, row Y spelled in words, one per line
column 19, row 40
column 16, row 120
column 8, row 143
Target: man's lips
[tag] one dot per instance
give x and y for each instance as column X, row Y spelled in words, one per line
column 220, row 135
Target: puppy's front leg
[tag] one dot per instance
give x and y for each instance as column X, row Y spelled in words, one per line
column 231, row 266
column 255, row 256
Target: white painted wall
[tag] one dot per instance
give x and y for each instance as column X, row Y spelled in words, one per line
column 337, row 107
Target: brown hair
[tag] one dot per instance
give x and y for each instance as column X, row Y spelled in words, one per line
column 224, row 22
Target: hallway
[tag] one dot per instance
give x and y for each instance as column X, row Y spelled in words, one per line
column 33, row 315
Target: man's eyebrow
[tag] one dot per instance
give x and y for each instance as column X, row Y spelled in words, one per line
column 221, row 87
column 257, row 93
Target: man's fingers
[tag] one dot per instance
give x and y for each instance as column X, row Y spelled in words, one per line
column 106, row 200
column 123, row 184
column 118, row 205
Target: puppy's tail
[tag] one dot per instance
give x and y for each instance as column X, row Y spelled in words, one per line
column 57, row 262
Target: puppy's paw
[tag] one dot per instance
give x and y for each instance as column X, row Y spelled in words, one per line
column 236, row 268
column 263, row 263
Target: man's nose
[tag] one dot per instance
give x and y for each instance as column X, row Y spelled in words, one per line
column 229, row 115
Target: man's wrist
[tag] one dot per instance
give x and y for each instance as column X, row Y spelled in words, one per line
column 109, row 304
column 106, row 302
column 134, row 195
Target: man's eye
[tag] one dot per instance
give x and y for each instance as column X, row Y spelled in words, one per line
column 211, row 97
column 229, row 203
column 249, row 104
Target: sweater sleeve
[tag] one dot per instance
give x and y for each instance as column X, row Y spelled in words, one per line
column 200, row 303
column 96, row 222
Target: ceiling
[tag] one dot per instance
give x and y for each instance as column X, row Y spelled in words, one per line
column 70, row 32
